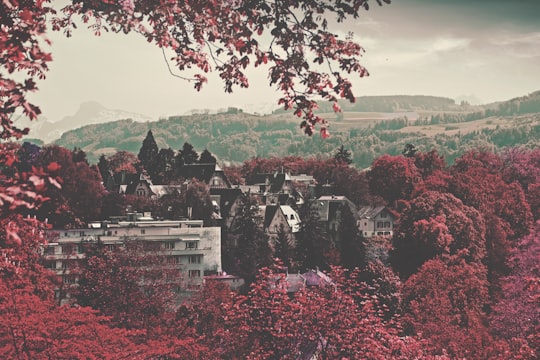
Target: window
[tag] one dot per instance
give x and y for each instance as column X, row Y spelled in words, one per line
column 365, row 223
column 49, row 250
column 194, row 273
column 67, row 249
column 380, row 224
column 80, row 249
column 384, row 214
column 169, row 245
column 194, row 259
column 192, row 245
column 68, row 280
column 143, row 231
column 387, row 224
column 81, row 233
column 110, row 247
column 141, row 192
column 50, row 265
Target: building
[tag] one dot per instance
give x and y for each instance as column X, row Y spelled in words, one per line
column 194, row 249
column 277, row 218
column 375, row 221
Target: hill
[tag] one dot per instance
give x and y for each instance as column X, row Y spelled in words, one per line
column 428, row 122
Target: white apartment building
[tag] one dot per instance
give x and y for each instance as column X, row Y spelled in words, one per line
column 195, row 249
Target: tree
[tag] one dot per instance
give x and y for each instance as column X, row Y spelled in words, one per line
column 148, row 155
column 393, row 177
column 103, row 166
column 282, row 36
column 517, row 314
column 325, row 320
column 313, row 246
column 207, row 157
column 444, row 302
column 252, row 246
column 343, row 155
column 130, row 284
column 437, row 224
column 284, row 247
column 351, row 247
column 165, row 166
column 186, row 155
column 79, row 199
column 123, row 161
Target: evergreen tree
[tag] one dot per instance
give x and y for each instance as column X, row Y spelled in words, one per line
column 312, row 241
column 187, row 155
column 351, row 247
column 253, row 250
column 207, row 157
column 165, row 166
column 148, row 154
column 343, row 155
column 283, row 247
column 103, row 166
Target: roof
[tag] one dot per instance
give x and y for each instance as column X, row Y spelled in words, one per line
column 328, row 205
column 268, row 212
column 292, row 217
column 161, row 190
column 201, row 172
column 369, row 212
column 317, row 278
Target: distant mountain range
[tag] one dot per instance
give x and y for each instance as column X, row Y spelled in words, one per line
column 369, row 127
column 88, row 113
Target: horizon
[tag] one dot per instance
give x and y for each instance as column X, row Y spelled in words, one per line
column 481, row 52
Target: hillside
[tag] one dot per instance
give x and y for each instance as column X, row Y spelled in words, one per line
column 428, row 122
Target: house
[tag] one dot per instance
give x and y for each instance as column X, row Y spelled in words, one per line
column 274, row 188
column 141, row 185
column 375, row 221
column 277, row 217
column 211, row 174
column 186, row 244
column 226, row 202
column 233, row 282
column 330, row 209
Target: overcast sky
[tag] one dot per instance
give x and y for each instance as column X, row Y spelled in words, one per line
column 488, row 50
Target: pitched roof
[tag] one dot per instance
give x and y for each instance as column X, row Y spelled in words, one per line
column 201, row 172
column 369, row 212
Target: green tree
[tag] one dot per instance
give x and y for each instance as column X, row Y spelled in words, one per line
column 207, row 157
column 186, row 155
column 148, row 155
column 252, row 247
column 284, row 247
column 165, row 166
column 351, row 247
column 343, row 155
column 312, row 241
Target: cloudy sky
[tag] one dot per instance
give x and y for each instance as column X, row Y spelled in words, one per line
column 481, row 50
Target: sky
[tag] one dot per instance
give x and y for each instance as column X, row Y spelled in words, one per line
column 479, row 50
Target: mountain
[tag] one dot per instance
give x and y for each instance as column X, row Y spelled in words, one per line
column 235, row 136
column 88, row 113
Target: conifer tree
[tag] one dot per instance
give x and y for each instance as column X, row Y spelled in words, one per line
column 343, row 155
column 207, row 157
column 148, row 154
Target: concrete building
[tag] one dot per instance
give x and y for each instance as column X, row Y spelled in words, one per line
column 195, row 249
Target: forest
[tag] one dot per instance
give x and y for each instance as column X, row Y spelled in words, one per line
column 237, row 137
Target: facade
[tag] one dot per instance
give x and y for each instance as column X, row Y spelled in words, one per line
column 195, row 249
column 375, row 221
column 276, row 217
